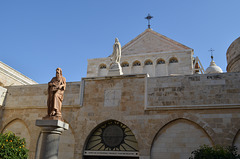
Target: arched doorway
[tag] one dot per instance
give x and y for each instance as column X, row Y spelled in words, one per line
column 111, row 140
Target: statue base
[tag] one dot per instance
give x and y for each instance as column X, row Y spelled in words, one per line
column 53, row 118
column 51, row 131
column 115, row 69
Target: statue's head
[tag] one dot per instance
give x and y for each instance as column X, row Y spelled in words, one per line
column 116, row 40
column 58, row 72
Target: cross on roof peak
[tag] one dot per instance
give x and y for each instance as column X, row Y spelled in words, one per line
column 149, row 17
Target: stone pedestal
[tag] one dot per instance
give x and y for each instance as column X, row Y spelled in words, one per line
column 115, row 70
column 51, row 131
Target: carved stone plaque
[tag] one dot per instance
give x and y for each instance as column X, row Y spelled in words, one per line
column 112, row 97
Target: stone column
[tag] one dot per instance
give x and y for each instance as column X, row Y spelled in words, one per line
column 51, row 131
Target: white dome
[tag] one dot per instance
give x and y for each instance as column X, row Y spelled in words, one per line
column 213, row 68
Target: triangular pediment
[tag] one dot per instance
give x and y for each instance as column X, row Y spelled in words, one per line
column 151, row 42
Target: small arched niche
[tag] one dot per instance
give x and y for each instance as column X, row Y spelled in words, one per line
column 102, row 70
column 148, row 67
column 109, row 139
column 148, row 62
column 173, row 60
column 136, row 63
column 102, row 66
column 125, row 67
column 160, row 61
column 173, row 67
column 161, row 68
column 137, row 67
column 125, row 64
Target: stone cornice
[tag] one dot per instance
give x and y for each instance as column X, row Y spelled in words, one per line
column 12, row 73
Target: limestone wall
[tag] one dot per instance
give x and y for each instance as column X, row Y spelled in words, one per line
column 25, row 104
column 194, row 92
column 36, row 96
column 128, row 99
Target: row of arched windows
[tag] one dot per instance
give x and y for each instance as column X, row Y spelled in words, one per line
column 138, row 63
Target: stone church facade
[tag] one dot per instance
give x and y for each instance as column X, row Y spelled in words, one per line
column 160, row 108
column 150, row 53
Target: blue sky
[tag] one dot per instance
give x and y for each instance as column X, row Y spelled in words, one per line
column 36, row 37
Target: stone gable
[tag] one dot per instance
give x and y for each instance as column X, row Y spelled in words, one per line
column 150, row 42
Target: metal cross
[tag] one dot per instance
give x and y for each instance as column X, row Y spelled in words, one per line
column 211, row 50
column 149, row 17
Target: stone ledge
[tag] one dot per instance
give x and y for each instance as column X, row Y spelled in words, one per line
column 142, row 75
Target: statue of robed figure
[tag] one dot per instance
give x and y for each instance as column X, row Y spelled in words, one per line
column 116, row 54
column 115, row 67
column 56, row 88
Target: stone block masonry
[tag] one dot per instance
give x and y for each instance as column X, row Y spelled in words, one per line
column 194, row 92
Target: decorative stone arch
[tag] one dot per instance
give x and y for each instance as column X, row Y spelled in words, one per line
column 125, row 67
column 148, row 67
column 173, row 66
column 102, row 70
column 204, row 125
column 160, row 68
column 111, row 138
column 102, row 66
column 173, row 60
column 160, row 61
column 148, row 62
column 125, row 64
column 178, row 137
column 136, row 67
column 20, row 128
column 136, row 63
column 209, row 131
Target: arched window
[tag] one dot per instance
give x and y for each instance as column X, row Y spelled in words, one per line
column 160, row 61
column 136, row 63
column 125, row 64
column 173, row 60
column 148, row 62
column 111, row 136
column 102, row 66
